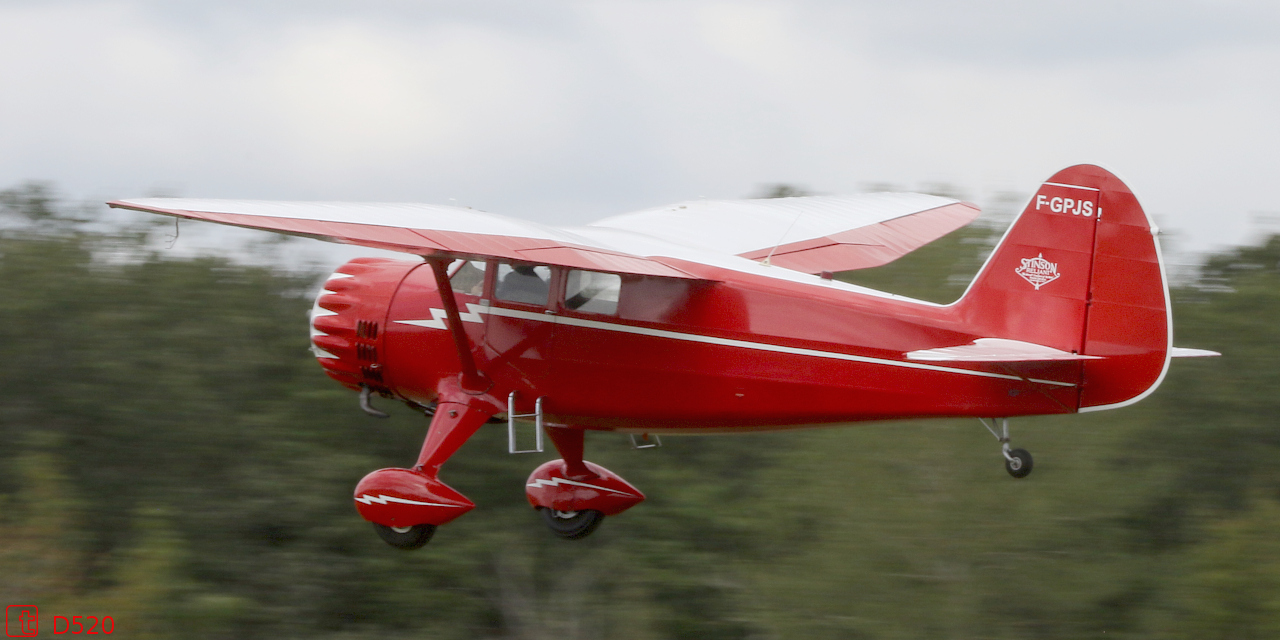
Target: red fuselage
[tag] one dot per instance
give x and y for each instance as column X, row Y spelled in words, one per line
column 740, row 345
column 744, row 352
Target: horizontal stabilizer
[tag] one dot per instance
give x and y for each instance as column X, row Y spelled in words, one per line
column 996, row 350
column 1183, row 352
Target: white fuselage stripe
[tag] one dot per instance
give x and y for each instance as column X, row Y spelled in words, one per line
column 724, row 342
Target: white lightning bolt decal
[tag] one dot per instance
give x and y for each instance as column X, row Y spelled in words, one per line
column 438, row 317
column 382, row 499
column 555, row 482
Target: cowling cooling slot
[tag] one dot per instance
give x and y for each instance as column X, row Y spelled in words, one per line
column 512, row 416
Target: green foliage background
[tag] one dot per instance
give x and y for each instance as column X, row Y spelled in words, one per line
column 171, row 456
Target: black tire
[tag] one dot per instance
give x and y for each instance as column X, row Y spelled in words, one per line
column 407, row 538
column 1020, row 466
column 572, row 525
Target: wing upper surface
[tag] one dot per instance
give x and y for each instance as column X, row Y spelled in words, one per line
column 809, row 234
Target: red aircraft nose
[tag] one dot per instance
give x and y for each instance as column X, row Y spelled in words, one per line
column 349, row 317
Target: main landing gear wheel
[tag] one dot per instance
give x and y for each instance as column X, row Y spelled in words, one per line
column 1018, row 463
column 407, row 538
column 572, row 525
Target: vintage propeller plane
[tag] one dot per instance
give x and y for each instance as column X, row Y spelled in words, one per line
column 715, row 317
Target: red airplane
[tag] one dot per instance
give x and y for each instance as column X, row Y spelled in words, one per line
column 715, row 317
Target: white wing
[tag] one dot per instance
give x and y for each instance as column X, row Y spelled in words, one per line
column 810, row 234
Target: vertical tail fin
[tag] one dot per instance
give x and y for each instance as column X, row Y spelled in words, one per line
column 1080, row 270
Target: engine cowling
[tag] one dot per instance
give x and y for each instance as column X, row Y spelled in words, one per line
column 348, row 320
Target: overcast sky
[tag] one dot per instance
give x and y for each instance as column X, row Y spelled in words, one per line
column 564, row 112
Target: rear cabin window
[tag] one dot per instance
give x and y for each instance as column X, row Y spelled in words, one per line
column 592, row 292
column 526, row 284
column 657, row 299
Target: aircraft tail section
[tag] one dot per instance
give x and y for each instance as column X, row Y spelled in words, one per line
column 1080, row 271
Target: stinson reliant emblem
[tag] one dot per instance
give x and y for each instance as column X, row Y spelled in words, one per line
column 1038, row 271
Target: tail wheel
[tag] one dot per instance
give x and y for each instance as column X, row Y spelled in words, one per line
column 407, row 538
column 1018, row 463
column 572, row 525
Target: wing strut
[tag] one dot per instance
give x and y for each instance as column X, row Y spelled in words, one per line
column 471, row 378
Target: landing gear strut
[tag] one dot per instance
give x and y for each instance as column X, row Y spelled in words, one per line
column 1017, row 462
column 406, row 505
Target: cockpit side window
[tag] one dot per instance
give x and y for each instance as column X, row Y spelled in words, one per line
column 592, row 292
column 527, row 284
column 468, row 277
